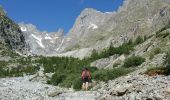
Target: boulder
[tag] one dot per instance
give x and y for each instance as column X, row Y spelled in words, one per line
column 55, row 93
column 105, row 62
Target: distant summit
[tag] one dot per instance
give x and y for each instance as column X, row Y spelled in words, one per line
column 99, row 30
column 2, row 11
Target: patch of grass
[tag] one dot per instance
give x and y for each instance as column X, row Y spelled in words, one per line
column 77, row 84
column 154, row 52
column 66, row 69
column 105, row 74
column 155, row 71
column 162, row 29
column 116, row 65
column 139, row 40
column 163, row 35
column 167, row 61
column 123, row 49
column 133, row 61
column 18, row 71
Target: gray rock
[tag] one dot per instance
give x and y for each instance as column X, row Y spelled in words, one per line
column 40, row 98
column 132, row 97
column 11, row 35
column 55, row 93
column 105, row 62
column 107, row 97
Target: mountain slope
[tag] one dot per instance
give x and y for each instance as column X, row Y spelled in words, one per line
column 97, row 30
column 135, row 17
column 42, row 43
column 10, row 34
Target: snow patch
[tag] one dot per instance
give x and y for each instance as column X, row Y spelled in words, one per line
column 48, row 37
column 93, row 26
column 60, row 45
column 108, row 12
column 38, row 40
column 24, row 29
column 54, row 39
column 40, row 43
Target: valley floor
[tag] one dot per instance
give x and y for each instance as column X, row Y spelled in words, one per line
column 131, row 87
column 134, row 86
column 21, row 88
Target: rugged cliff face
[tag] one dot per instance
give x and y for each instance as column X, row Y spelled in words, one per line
column 97, row 30
column 10, row 34
column 135, row 17
column 42, row 43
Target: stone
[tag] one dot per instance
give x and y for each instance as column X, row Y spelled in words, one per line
column 121, row 92
column 105, row 62
column 167, row 90
column 55, row 93
column 132, row 97
column 40, row 98
column 107, row 97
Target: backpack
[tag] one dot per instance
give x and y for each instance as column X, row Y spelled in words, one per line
column 86, row 74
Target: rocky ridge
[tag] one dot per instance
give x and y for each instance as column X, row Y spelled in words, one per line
column 10, row 34
column 42, row 43
column 97, row 30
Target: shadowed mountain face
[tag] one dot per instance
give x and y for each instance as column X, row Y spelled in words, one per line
column 97, row 30
column 10, row 34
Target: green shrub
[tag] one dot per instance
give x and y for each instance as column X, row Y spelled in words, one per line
column 133, row 61
column 167, row 70
column 157, row 50
column 77, row 84
column 164, row 35
column 57, row 78
column 154, row 52
column 167, row 61
column 139, row 40
column 105, row 75
column 116, row 65
column 163, row 28
column 68, row 81
column 101, row 75
column 123, row 49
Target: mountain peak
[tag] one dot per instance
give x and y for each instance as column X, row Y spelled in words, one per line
column 89, row 11
column 2, row 11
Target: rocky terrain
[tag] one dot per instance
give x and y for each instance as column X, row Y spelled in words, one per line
column 10, row 34
column 22, row 89
column 134, row 86
column 26, row 77
column 137, row 85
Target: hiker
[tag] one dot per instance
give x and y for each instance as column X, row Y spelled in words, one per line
column 86, row 77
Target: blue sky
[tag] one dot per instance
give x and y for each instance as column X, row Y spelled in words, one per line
column 50, row 15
